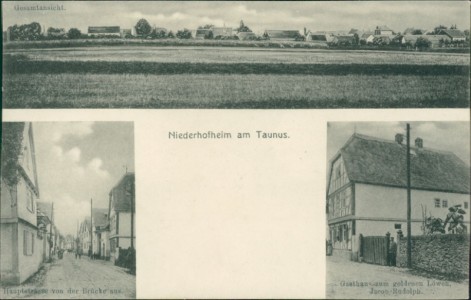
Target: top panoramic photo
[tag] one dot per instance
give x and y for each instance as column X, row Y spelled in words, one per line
column 236, row 54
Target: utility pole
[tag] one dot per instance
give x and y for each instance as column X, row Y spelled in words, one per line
column 91, row 227
column 409, row 244
column 77, row 239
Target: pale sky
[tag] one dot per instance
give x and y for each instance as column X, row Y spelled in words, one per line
column 77, row 161
column 445, row 136
column 175, row 15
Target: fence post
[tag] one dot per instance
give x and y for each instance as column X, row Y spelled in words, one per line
column 388, row 240
column 360, row 247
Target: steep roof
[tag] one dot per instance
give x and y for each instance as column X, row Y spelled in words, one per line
column 283, row 34
column 383, row 27
column 432, row 38
column 375, row 161
column 103, row 29
column 121, row 193
column 454, row 33
column 45, row 208
column 344, row 38
column 100, row 216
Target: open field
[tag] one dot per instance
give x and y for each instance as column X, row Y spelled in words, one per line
column 239, row 55
column 234, row 91
column 152, row 77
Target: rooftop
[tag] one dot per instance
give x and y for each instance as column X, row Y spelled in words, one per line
column 383, row 162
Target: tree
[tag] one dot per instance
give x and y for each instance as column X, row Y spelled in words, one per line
column 356, row 39
column 52, row 30
column 143, row 27
column 417, row 32
column 158, row 34
column 26, row 32
column 422, row 43
column 207, row 26
column 243, row 28
column 170, row 35
column 437, row 29
column 208, row 35
column 74, row 33
column 184, row 34
column 12, row 138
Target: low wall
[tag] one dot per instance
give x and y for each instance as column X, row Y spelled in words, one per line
column 446, row 254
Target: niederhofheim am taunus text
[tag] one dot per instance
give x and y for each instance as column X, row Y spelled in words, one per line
column 224, row 135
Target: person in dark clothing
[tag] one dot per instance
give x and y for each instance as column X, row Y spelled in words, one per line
column 392, row 253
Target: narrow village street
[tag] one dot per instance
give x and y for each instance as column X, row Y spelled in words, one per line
column 76, row 278
column 352, row 280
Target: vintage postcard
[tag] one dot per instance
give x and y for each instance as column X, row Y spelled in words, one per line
column 67, row 202
column 210, row 54
column 264, row 146
column 398, row 210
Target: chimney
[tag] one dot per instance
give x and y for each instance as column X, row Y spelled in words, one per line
column 399, row 138
column 419, row 143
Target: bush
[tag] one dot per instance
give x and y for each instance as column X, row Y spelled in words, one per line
column 127, row 259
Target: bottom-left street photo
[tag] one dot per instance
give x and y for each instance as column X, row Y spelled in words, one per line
column 67, row 222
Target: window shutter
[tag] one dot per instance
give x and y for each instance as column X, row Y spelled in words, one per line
column 25, row 242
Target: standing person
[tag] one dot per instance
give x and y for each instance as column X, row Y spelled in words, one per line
column 392, row 253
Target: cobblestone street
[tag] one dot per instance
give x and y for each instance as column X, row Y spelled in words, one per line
column 352, row 280
column 76, row 278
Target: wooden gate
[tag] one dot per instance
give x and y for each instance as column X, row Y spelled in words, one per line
column 374, row 249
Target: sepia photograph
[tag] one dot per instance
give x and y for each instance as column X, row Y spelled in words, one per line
column 68, row 210
column 397, row 210
column 236, row 54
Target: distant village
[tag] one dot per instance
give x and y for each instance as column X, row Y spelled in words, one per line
column 382, row 35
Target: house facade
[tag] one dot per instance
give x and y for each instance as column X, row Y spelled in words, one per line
column 282, row 35
column 121, row 206
column 84, row 236
column 21, row 251
column 222, row 31
column 243, row 36
column 101, row 248
column 455, row 35
column 367, row 192
column 101, row 31
column 201, row 34
column 383, row 30
column 45, row 212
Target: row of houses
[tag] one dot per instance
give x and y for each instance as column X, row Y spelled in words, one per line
column 381, row 33
column 107, row 230
column 385, row 36
column 367, row 189
column 28, row 234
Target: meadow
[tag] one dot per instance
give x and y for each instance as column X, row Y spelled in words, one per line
column 153, row 77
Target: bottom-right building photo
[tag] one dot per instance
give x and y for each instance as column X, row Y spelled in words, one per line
column 397, row 210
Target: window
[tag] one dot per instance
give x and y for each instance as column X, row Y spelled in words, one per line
column 437, row 202
column 29, row 199
column 466, row 205
column 28, row 243
column 444, row 203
